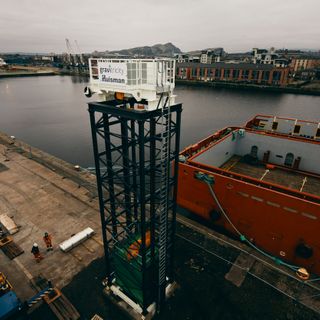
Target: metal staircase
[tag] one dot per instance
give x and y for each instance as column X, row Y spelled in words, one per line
column 163, row 195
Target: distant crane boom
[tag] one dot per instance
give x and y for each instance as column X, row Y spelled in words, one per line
column 79, row 52
column 71, row 56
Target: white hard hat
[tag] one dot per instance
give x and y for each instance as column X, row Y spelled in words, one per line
column 35, row 244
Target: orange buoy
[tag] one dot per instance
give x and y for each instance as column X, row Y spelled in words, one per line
column 303, row 274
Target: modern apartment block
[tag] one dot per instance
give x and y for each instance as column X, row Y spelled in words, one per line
column 263, row 56
column 209, row 56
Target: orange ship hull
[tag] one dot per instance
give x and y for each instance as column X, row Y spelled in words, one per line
column 281, row 221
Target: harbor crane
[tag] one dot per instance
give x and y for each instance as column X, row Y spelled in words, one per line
column 71, row 56
column 79, row 53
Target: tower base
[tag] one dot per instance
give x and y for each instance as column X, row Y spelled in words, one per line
column 128, row 307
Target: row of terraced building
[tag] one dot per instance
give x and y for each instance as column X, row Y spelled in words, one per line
column 261, row 74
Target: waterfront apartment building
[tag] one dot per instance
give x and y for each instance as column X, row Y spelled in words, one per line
column 263, row 74
column 181, row 57
column 209, row 56
column 206, row 57
column 263, row 56
column 305, row 63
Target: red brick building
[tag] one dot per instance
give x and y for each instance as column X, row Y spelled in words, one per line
column 263, row 74
column 304, row 63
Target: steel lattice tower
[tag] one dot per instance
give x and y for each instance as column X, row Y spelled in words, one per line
column 136, row 159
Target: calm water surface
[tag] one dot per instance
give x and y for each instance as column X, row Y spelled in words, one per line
column 51, row 112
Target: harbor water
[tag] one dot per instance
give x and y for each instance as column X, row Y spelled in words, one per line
column 50, row 112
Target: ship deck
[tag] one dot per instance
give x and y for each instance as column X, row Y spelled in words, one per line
column 290, row 179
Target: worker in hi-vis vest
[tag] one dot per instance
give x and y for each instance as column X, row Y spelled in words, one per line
column 36, row 252
column 48, row 241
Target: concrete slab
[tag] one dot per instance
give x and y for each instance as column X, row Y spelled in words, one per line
column 239, row 269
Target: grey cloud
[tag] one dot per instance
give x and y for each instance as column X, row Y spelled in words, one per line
column 42, row 25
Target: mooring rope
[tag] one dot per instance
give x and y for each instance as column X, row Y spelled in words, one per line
column 209, row 180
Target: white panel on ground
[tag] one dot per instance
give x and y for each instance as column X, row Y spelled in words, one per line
column 79, row 237
column 8, row 224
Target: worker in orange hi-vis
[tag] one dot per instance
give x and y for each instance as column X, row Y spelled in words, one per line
column 36, row 252
column 48, row 241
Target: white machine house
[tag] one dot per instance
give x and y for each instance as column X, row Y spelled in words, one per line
column 143, row 83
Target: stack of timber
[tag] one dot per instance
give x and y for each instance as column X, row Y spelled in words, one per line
column 4, row 240
column 12, row 250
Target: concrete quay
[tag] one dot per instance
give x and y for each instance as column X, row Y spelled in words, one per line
column 38, row 191
column 18, row 74
column 219, row 278
column 305, row 90
column 26, row 71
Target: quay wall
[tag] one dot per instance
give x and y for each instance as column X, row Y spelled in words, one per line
column 206, row 261
column 82, row 178
column 19, row 74
column 249, row 87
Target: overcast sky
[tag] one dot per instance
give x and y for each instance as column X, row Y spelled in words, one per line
column 235, row 25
